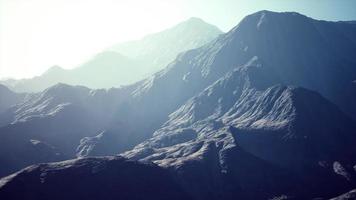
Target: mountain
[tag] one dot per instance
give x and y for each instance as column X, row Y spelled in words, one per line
column 58, row 117
column 104, row 70
column 264, row 111
column 38, row 83
column 92, row 178
column 297, row 132
column 159, row 49
column 125, row 63
column 259, row 53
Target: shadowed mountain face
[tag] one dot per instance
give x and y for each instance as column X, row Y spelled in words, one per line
column 264, row 111
column 125, row 63
column 91, row 178
column 8, row 98
column 59, row 117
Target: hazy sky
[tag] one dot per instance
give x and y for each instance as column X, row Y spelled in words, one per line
column 36, row 34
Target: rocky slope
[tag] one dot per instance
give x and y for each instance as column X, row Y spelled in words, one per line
column 59, row 118
column 297, row 132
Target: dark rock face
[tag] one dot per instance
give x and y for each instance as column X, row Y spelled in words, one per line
column 17, row 153
column 91, row 178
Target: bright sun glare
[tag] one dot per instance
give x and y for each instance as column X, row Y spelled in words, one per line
column 39, row 33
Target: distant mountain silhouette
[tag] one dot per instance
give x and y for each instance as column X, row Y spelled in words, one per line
column 157, row 50
column 125, row 63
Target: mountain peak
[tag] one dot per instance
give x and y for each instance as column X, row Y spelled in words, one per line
column 273, row 13
column 53, row 70
column 108, row 54
column 63, row 89
column 194, row 20
column 258, row 19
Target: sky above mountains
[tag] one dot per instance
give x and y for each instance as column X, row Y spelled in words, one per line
column 36, row 34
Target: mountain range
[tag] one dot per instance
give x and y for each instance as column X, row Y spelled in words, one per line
column 127, row 62
column 264, row 111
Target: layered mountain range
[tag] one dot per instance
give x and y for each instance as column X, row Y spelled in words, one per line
column 265, row 111
column 127, row 62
